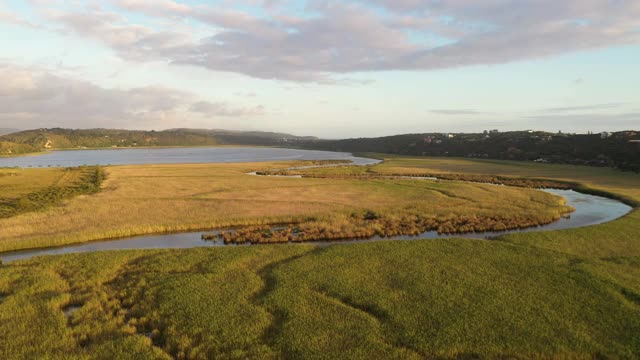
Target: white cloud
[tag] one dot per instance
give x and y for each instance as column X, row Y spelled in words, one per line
column 34, row 98
column 356, row 36
column 223, row 109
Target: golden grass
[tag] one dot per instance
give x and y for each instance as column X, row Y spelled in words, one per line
column 17, row 182
column 148, row 199
column 614, row 239
column 612, row 180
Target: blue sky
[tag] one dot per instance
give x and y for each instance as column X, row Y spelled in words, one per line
column 325, row 68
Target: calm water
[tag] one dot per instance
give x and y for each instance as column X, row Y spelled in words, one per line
column 174, row 156
column 590, row 210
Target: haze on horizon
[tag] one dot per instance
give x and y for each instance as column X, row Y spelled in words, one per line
column 331, row 69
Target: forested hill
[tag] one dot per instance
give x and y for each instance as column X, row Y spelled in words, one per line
column 619, row 149
column 45, row 139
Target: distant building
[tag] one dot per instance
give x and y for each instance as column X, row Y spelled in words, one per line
column 450, row 136
column 605, row 135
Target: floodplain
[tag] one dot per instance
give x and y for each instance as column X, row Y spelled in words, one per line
column 554, row 294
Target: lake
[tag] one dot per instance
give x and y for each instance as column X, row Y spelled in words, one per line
column 71, row 158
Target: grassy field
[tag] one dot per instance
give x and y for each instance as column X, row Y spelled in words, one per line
column 139, row 200
column 572, row 294
column 24, row 191
column 413, row 299
column 617, row 238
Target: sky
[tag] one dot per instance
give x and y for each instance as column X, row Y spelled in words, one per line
column 332, row 69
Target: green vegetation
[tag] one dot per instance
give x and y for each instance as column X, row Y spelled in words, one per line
column 13, row 149
column 32, row 141
column 373, row 172
column 618, row 149
column 118, row 305
column 572, row 294
column 411, row 299
column 23, row 191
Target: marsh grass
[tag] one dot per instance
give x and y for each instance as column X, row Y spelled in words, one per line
column 571, row 294
column 142, row 305
column 137, row 200
column 449, row 298
column 17, row 197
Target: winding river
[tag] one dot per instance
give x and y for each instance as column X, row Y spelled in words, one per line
column 590, row 209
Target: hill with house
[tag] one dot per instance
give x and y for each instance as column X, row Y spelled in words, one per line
column 616, row 149
column 607, row 149
column 64, row 139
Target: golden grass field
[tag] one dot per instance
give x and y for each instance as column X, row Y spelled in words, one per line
column 608, row 179
column 138, row 200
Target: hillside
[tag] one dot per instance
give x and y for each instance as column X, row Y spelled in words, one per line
column 620, row 149
column 9, row 149
column 43, row 139
column 5, row 131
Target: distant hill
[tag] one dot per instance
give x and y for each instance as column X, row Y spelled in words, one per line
column 9, row 149
column 5, row 131
column 43, row 139
column 619, row 149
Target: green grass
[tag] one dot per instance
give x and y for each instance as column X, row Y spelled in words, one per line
column 194, row 304
column 410, row 299
column 449, row 298
column 23, row 191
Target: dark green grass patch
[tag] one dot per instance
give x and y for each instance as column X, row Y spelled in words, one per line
column 186, row 304
column 74, row 182
column 412, row 299
column 451, row 299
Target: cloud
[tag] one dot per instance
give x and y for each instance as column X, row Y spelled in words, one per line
column 14, row 19
column 155, row 7
column 458, row 112
column 223, row 109
column 130, row 41
column 34, row 98
column 584, row 107
column 264, row 39
column 250, row 94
